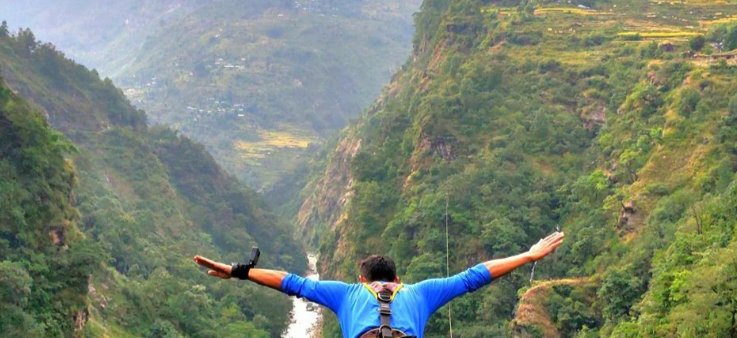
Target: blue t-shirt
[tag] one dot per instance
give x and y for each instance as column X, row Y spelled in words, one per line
column 357, row 309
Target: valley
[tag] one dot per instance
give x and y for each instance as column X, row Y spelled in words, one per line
column 231, row 73
column 300, row 71
column 122, row 207
column 613, row 120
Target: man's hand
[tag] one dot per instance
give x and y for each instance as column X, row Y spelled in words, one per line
column 270, row 278
column 545, row 246
column 216, row 269
column 503, row 266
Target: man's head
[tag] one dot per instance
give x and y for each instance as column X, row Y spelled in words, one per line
column 377, row 268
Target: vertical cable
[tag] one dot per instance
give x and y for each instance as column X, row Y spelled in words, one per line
column 447, row 258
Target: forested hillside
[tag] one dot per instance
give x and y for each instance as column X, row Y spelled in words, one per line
column 44, row 259
column 258, row 81
column 255, row 81
column 613, row 120
column 111, row 256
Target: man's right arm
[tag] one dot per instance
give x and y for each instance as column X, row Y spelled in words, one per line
column 268, row 278
column 326, row 293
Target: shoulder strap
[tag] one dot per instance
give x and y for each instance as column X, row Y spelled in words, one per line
column 385, row 313
column 375, row 288
column 385, row 296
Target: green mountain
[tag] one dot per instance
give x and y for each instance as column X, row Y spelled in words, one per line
column 255, row 81
column 100, row 35
column 97, row 237
column 45, row 260
column 613, row 120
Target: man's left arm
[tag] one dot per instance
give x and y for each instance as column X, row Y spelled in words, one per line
column 500, row 267
column 437, row 292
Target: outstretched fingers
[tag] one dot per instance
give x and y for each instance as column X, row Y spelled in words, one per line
column 553, row 238
column 204, row 262
column 555, row 242
column 212, row 265
column 547, row 245
column 218, row 274
column 215, row 269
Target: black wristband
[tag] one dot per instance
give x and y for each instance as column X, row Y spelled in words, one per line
column 240, row 271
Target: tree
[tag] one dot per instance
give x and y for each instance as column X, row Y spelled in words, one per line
column 4, row 32
column 163, row 329
column 26, row 41
column 619, row 290
column 730, row 42
column 732, row 109
column 697, row 43
column 242, row 329
column 687, row 101
column 15, row 283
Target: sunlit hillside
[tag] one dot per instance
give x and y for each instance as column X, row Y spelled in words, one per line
column 613, row 120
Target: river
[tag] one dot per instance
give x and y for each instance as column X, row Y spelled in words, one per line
column 305, row 315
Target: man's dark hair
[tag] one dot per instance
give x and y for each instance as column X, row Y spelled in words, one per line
column 377, row 268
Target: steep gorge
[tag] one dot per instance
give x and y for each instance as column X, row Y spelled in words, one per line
column 259, row 82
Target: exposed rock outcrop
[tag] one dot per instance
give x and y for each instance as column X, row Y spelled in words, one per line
column 80, row 319
column 532, row 317
column 324, row 206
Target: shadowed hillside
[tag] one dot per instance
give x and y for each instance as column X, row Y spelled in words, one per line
column 146, row 200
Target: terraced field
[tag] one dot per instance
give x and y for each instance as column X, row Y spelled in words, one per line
column 577, row 37
column 625, row 22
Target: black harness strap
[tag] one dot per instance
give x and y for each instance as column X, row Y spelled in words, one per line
column 385, row 313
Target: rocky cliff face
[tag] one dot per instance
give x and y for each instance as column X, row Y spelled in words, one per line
column 323, row 208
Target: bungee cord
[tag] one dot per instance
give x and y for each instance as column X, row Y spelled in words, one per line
column 447, row 258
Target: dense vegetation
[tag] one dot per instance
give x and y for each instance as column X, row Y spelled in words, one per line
column 255, row 81
column 258, row 81
column 512, row 118
column 146, row 201
column 44, row 260
column 614, row 123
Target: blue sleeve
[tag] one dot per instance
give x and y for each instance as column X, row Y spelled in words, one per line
column 438, row 292
column 326, row 293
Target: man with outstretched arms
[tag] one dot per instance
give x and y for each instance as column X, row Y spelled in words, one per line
column 380, row 306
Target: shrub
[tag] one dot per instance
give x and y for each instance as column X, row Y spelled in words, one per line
column 687, row 101
column 732, row 109
column 594, row 39
column 697, row 43
column 631, row 37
